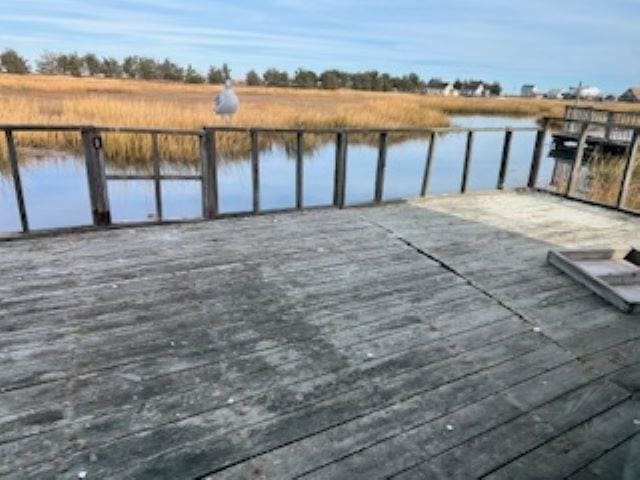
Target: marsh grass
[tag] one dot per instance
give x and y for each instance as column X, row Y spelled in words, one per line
column 48, row 100
column 36, row 99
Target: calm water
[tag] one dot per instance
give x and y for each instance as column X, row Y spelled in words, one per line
column 56, row 188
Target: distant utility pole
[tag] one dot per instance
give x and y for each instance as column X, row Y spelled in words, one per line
column 578, row 92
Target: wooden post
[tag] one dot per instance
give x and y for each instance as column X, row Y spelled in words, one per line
column 538, row 149
column 299, row 169
column 98, row 194
column 428, row 165
column 467, row 162
column 17, row 182
column 577, row 161
column 155, row 157
column 629, row 169
column 382, row 164
column 609, row 125
column 208, row 162
column 339, row 182
column 504, row 162
column 255, row 171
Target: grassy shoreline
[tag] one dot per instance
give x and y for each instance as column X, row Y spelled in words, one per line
column 39, row 99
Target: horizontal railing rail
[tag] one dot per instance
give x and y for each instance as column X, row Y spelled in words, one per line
column 207, row 137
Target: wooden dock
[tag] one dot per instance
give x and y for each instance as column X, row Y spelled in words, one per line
column 420, row 340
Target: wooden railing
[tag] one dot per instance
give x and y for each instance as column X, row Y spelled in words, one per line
column 586, row 129
column 97, row 176
column 607, row 124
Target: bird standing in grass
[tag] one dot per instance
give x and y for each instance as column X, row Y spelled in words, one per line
column 227, row 102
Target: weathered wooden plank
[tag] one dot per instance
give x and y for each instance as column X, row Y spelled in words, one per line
column 525, row 432
column 622, row 461
column 284, row 328
column 350, row 438
column 571, row 451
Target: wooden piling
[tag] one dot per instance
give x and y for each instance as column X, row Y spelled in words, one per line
column 155, row 157
column 381, row 167
column 255, row 171
column 428, row 166
column 299, row 169
column 537, row 154
column 504, row 161
column 467, row 162
column 96, row 177
column 208, row 162
column 629, row 169
column 17, row 182
column 574, row 175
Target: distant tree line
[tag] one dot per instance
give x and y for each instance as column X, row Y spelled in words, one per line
column 147, row 68
column 90, row 65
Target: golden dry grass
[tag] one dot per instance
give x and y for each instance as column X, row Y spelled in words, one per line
column 36, row 99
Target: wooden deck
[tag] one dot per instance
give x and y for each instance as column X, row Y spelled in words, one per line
column 423, row 340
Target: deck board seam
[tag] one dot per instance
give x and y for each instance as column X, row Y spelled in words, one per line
column 587, row 464
column 468, row 280
column 523, row 414
column 506, row 387
column 559, row 433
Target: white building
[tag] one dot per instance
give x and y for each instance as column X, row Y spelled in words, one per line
column 438, row 87
column 554, row 93
column 529, row 91
column 472, row 89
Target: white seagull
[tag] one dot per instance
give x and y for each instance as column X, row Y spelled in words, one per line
column 227, row 102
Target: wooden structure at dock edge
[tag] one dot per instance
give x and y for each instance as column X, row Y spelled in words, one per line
column 97, row 178
column 607, row 130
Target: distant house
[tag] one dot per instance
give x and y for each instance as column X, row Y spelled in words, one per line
column 631, row 95
column 529, row 91
column 554, row 93
column 472, row 89
column 438, row 87
column 588, row 93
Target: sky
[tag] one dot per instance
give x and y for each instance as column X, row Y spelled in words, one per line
column 551, row 43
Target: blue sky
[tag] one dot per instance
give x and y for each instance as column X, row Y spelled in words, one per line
column 547, row 42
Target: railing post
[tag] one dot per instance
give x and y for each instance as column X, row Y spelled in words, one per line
column 339, row 183
column 208, row 162
column 255, row 171
column 299, row 169
column 17, row 182
column 609, row 125
column 577, row 161
column 428, row 165
column 504, row 162
column 98, row 193
column 536, row 158
column 382, row 164
column 155, row 158
column 629, row 169
column 467, row 162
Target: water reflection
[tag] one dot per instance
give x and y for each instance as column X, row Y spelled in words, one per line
column 56, row 187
